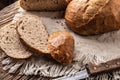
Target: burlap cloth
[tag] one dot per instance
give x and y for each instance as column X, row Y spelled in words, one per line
column 94, row 49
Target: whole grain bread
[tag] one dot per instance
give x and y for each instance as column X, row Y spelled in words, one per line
column 61, row 45
column 10, row 43
column 33, row 33
column 88, row 17
column 42, row 5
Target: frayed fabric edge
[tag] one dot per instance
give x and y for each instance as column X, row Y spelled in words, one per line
column 24, row 67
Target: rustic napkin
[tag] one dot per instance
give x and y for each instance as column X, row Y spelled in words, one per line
column 94, row 49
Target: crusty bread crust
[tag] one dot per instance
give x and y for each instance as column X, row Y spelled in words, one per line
column 61, row 45
column 90, row 17
column 83, row 11
column 68, row 1
column 10, row 43
column 33, row 33
column 43, row 5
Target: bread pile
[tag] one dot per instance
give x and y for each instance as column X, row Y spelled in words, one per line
column 29, row 36
column 85, row 17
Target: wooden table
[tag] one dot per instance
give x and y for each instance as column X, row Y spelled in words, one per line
column 6, row 16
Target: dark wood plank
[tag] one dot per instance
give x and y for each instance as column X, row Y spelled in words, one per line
column 7, row 14
column 16, row 77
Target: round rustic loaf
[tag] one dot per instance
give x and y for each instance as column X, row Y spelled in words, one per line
column 42, row 5
column 90, row 17
column 61, row 45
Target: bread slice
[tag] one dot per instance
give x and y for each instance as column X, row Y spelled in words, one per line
column 42, row 5
column 10, row 43
column 33, row 33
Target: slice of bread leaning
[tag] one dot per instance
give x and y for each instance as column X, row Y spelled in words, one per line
column 33, row 33
column 10, row 43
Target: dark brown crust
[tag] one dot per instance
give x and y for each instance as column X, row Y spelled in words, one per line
column 68, row 1
column 52, row 6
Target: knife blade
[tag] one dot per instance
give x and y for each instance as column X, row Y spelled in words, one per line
column 92, row 69
column 79, row 75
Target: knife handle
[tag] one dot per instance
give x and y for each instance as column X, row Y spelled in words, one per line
column 103, row 67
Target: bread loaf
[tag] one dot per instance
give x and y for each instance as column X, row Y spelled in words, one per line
column 61, row 45
column 10, row 43
column 42, row 5
column 33, row 33
column 90, row 17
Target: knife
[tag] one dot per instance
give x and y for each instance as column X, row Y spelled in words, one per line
column 92, row 69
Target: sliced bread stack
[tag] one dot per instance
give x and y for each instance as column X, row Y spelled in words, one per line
column 18, row 40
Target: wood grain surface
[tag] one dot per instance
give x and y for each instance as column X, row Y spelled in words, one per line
column 6, row 16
